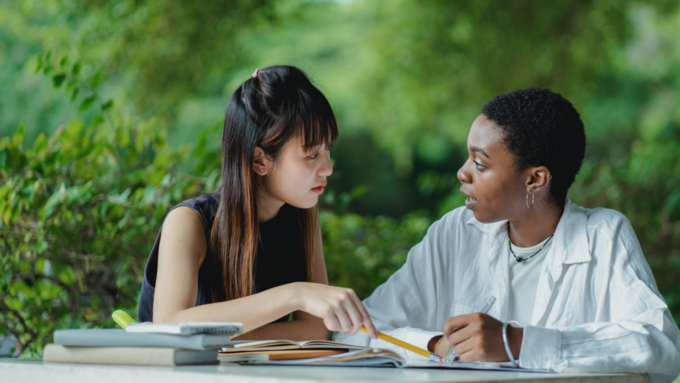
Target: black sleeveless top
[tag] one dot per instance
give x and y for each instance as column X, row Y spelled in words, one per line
column 279, row 260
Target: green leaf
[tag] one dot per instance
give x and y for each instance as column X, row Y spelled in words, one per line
column 7, row 216
column 39, row 63
column 64, row 61
column 98, row 119
column 70, row 84
column 76, row 68
column 48, row 55
column 54, row 199
column 74, row 94
column 57, row 80
column 18, row 137
column 40, row 143
column 107, row 105
column 97, row 78
column 3, row 158
column 87, row 103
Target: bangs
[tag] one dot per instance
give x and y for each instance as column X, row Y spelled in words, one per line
column 316, row 130
column 310, row 118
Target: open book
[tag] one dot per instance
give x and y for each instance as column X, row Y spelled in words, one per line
column 282, row 344
column 374, row 357
column 271, row 352
column 364, row 357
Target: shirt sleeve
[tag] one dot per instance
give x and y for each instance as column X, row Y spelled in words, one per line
column 641, row 335
column 404, row 307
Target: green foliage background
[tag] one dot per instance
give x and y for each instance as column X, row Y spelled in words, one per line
column 110, row 114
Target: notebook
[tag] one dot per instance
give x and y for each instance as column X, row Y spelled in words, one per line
column 119, row 337
column 283, row 344
column 147, row 356
column 224, row 328
column 252, row 356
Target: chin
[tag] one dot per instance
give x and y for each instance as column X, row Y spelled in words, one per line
column 485, row 218
column 304, row 204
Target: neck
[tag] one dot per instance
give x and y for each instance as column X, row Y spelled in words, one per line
column 268, row 206
column 536, row 225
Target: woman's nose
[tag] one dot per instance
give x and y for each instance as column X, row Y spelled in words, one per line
column 462, row 174
column 327, row 168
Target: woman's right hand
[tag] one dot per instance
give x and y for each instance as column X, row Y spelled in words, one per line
column 340, row 308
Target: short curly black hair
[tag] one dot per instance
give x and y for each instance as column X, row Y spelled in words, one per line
column 541, row 128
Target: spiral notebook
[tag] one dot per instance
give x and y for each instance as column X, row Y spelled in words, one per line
column 222, row 328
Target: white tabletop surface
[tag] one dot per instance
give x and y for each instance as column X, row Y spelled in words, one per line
column 27, row 370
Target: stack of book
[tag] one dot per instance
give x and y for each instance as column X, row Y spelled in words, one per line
column 143, row 344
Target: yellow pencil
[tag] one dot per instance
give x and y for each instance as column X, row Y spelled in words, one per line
column 429, row 355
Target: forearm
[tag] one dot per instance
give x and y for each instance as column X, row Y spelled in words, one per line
column 299, row 329
column 253, row 311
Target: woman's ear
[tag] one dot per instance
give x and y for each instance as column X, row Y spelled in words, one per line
column 539, row 177
column 260, row 162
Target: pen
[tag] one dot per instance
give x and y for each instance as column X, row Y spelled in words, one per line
column 451, row 354
column 429, row 355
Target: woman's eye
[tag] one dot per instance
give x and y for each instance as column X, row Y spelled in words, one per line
column 313, row 156
column 479, row 166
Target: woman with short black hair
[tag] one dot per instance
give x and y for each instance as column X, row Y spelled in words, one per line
column 564, row 288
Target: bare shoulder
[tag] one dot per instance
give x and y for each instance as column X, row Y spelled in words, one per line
column 182, row 235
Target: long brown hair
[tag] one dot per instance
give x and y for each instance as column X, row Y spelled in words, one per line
column 276, row 104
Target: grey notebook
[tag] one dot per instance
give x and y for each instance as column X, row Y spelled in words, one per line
column 116, row 337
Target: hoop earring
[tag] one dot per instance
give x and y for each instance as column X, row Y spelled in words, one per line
column 533, row 198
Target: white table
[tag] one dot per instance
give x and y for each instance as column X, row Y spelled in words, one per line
column 34, row 370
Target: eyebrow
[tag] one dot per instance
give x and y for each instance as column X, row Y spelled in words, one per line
column 479, row 150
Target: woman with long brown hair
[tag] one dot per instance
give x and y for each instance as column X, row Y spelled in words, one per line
column 251, row 251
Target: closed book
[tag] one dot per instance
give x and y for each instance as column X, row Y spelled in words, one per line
column 122, row 338
column 146, row 356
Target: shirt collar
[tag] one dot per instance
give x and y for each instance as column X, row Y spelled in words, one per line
column 570, row 244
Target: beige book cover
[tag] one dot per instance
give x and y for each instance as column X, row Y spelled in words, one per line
column 147, row 356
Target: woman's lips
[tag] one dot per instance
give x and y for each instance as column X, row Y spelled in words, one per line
column 318, row 189
column 470, row 202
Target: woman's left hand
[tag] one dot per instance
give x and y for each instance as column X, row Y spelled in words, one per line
column 478, row 337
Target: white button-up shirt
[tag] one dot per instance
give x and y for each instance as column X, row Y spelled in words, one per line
column 597, row 307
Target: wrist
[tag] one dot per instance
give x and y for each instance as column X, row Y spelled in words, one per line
column 293, row 296
column 515, row 337
column 433, row 343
